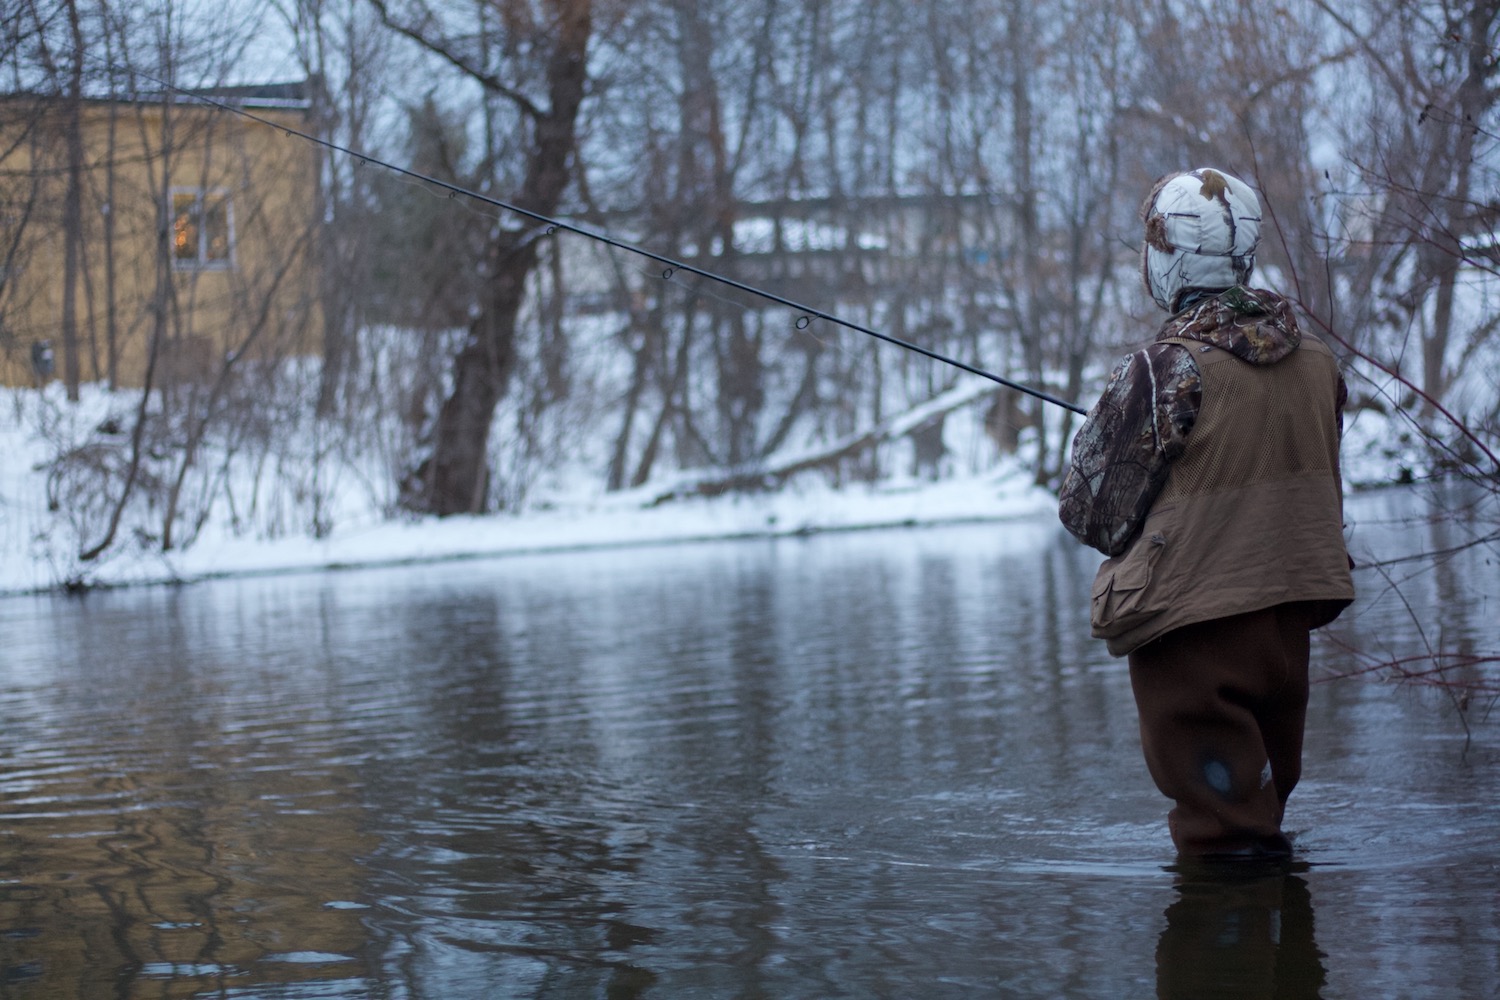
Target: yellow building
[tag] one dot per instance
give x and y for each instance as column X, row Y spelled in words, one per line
column 160, row 236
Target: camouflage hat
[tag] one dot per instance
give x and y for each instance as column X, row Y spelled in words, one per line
column 1202, row 228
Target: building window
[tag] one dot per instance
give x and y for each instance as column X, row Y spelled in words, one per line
column 202, row 229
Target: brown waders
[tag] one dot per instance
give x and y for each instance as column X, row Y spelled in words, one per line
column 1222, row 705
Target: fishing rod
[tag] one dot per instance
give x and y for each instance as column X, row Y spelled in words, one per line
column 808, row 313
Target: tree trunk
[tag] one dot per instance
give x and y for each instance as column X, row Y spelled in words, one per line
column 1446, row 252
column 1028, row 221
column 73, row 210
column 455, row 479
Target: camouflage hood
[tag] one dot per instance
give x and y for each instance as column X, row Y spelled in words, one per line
column 1252, row 324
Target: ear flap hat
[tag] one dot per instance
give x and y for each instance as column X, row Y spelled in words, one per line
column 1202, row 228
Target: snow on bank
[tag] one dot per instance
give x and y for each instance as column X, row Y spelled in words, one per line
column 619, row 520
column 39, row 542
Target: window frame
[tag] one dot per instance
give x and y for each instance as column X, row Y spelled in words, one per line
column 202, row 198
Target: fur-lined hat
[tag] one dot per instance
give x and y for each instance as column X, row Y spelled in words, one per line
column 1202, row 228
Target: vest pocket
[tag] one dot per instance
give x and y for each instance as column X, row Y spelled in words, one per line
column 1122, row 597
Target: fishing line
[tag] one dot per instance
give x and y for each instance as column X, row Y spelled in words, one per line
column 801, row 325
column 671, row 266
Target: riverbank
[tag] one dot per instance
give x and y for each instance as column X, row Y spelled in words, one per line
column 611, row 520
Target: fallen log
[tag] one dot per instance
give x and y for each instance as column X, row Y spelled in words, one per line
column 773, row 471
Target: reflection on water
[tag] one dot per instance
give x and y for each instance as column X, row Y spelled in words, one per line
column 855, row 765
column 1240, row 932
column 163, row 832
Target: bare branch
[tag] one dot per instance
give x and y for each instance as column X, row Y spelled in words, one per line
column 441, row 49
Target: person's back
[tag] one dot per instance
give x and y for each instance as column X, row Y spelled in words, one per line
column 1208, row 472
column 1249, row 514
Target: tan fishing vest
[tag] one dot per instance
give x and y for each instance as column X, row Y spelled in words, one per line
column 1251, row 515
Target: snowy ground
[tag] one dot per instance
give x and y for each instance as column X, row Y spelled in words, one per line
column 620, row 521
column 37, row 548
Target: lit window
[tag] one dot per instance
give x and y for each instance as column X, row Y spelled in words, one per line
column 202, row 229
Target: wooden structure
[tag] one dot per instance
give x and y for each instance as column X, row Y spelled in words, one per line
column 154, row 238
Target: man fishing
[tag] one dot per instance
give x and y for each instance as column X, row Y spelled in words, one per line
column 1208, row 473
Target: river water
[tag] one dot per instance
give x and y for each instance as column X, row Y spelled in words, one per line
column 874, row 764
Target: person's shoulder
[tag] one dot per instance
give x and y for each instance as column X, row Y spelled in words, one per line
column 1154, row 357
column 1170, row 356
column 1167, row 348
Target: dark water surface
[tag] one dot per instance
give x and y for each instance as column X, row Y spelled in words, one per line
column 884, row 764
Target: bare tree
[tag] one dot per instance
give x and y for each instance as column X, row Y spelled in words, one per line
column 340, row 49
column 543, row 48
